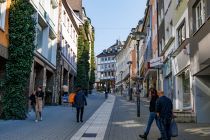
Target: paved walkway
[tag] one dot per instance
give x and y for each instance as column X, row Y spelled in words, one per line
column 114, row 119
column 59, row 123
column 95, row 127
column 124, row 125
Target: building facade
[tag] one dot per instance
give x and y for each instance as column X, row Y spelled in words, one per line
column 122, row 68
column 199, row 13
column 106, row 67
column 69, row 31
column 44, row 63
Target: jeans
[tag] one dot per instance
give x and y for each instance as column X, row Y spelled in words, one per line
column 152, row 116
column 80, row 113
column 165, row 128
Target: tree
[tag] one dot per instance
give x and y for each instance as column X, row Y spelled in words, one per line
column 21, row 51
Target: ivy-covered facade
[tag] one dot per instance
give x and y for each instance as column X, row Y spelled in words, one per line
column 35, row 40
column 86, row 62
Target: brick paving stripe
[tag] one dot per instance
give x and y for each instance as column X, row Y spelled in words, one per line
column 97, row 123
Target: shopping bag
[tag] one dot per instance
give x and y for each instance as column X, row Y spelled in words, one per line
column 174, row 129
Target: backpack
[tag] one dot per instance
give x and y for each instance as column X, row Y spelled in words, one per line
column 71, row 98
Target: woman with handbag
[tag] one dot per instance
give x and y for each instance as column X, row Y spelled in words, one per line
column 39, row 103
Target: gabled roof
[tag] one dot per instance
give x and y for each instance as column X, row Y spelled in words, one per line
column 112, row 50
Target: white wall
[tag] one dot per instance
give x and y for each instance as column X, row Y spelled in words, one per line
column 51, row 22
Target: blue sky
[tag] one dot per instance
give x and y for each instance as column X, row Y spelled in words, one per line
column 113, row 19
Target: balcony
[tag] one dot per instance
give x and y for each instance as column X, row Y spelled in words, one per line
column 181, row 47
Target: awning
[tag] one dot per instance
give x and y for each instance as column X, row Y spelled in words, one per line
column 150, row 72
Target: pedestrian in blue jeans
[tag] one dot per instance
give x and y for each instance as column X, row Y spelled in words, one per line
column 164, row 109
column 152, row 115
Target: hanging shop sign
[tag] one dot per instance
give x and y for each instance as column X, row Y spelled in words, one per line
column 156, row 62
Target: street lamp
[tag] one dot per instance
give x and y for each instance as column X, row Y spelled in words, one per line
column 129, row 89
column 121, row 72
column 138, row 36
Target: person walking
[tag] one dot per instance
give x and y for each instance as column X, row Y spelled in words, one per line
column 39, row 103
column 152, row 115
column 33, row 101
column 164, row 109
column 79, row 103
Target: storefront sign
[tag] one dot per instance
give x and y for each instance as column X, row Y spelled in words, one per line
column 156, row 62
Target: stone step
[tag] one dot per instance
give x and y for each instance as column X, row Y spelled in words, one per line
column 185, row 116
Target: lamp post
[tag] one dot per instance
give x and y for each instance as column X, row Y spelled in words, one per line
column 138, row 36
column 129, row 84
column 121, row 72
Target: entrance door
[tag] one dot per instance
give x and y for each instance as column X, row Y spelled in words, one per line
column 186, row 90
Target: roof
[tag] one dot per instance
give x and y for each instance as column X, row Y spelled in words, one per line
column 112, row 50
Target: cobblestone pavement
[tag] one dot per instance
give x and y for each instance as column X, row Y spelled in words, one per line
column 125, row 125
column 59, row 123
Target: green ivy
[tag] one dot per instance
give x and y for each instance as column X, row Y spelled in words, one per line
column 21, row 37
column 80, row 80
column 92, row 64
column 83, row 51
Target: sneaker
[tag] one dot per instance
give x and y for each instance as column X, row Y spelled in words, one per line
column 143, row 136
column 81, row 120
column 36, row 120
column 41, row 119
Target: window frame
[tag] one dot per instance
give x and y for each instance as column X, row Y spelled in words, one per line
column 180, row 30
column 199, row 20
column 3, row 7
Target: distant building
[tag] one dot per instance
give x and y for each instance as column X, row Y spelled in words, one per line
column 106, row 67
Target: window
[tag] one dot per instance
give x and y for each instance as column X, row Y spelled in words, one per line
column 2, row 13
column 181, row 33
column 68, row 24
column 161, row 45
column 102, row 67
column 50, row 45
column 39, row 36
column 74, row 35
column 102, row 59
column 200, row 14
column 71, row 30
column 66, row 49
column 64, row 18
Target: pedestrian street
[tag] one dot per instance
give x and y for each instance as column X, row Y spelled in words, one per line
column 112, row 119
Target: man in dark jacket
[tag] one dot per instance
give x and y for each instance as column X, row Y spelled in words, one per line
column 152, row 114
column 79, row 103
column 164, row 109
